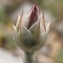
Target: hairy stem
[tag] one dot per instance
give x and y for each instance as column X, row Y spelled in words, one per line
column 28, row 57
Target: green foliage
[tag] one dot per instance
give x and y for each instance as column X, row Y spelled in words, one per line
column 3, row 17
column 59, row 58
column 40, row 3
column 55, row 6
column 10, row 44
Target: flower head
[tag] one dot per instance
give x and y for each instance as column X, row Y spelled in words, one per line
column 31, row 32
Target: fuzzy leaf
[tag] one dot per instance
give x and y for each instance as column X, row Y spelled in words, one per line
column 25, row 21
column 14, row 32
column 25, row 31
column 36, row 29
column 25, row 38
column 48, row 26
column 40, row 42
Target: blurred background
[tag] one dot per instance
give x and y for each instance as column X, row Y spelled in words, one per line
column 52, row 52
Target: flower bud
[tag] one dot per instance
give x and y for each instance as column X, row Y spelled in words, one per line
column 33, row 16
column 32, row 31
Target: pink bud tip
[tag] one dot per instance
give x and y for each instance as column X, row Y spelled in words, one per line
column 33, row 15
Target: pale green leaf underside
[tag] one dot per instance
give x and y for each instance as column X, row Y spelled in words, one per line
column 34, row 29
column 41, row 41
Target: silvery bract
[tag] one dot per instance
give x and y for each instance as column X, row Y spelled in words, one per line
column 30, row 31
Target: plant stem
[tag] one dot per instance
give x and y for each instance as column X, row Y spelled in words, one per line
column 28, row 57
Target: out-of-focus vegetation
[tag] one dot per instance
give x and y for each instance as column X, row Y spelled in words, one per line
column 59, row 57
column 55, row 6
column 3, row 18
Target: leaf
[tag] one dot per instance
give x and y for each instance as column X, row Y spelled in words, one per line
column 36, row 29
column 24, row 39
column 48, row 26
column 14, row 32
column 25, row 31
column 40, row 42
